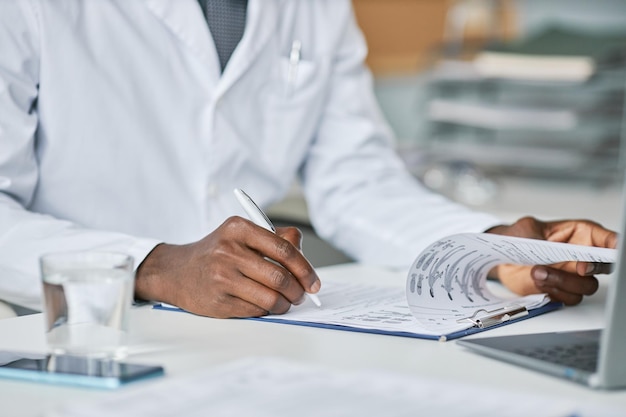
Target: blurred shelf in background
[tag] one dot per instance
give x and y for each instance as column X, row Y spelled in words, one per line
column 528, row 89
column 549, row 105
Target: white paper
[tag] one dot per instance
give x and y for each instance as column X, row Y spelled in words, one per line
column 274, row 387
column 448, row 281
column 446, row 284
column 373, row 307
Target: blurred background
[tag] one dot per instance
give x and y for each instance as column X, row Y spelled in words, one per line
column 514, row 107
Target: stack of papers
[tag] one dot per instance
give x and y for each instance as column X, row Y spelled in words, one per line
column 446, row 294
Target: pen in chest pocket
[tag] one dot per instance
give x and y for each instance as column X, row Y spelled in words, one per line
column 294, row 61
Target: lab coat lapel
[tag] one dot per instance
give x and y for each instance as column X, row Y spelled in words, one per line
column 261, row 22
column 184, row 18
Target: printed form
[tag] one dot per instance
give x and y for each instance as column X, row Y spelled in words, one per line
column 446, row 289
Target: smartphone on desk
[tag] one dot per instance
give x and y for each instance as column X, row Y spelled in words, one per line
column 73, row 370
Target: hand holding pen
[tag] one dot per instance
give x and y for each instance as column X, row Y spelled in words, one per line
column 227, row 273
column 260, row 219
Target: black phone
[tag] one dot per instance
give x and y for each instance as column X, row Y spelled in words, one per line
column 73, row 370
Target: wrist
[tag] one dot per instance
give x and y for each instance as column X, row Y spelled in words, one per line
column 151, row 282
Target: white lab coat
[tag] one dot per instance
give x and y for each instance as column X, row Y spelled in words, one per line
column 117, row 132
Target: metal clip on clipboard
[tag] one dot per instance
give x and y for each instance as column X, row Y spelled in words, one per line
column 484, row 318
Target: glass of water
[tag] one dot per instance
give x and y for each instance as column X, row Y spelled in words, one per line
column 87, row 298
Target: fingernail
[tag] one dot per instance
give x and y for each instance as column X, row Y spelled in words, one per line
column 591, row 267
column 540, row 274
column 316, row 286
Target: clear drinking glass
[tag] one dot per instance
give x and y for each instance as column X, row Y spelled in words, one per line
column 87, row 298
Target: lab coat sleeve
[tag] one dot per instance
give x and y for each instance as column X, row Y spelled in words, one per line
column 359, row 193
column 25, row 235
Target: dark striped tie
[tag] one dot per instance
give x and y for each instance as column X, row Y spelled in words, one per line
column 227, row 20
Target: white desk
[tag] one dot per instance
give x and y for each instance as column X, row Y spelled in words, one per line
column 183, row 343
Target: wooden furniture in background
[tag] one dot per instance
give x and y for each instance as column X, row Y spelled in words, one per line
column 404, row 35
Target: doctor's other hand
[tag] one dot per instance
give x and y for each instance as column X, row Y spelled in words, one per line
column 227, row 273
column 567, row 282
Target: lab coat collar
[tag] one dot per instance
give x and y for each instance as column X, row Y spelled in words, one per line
column 184, row 18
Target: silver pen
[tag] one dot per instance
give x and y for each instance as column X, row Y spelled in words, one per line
column 259, row 218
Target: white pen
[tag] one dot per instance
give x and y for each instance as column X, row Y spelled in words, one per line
column 294, row 60
column 259, row 218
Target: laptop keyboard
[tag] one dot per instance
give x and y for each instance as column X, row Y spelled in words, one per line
column 580, row 356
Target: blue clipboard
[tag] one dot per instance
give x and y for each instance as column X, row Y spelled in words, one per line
column 477, row 328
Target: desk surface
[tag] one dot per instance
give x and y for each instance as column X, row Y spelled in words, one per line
column 183, row 343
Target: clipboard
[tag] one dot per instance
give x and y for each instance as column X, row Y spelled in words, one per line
column 480, row 321
column 446, row 295
column 485, row 322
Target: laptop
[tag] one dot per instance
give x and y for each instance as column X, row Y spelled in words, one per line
column 596, row 358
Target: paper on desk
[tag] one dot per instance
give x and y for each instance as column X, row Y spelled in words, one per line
column 363, row 306
column 446, row 284
column 448, row 281
column 279, row 388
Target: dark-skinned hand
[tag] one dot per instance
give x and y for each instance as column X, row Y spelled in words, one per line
column 228, row 273
column 568, row 282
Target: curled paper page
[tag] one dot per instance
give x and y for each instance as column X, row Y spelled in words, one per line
column 446, row 294
column 447, row 282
